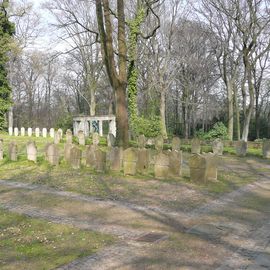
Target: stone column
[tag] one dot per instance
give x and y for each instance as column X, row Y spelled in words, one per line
column 112, row 127
column 100, row 127
column 91, row 127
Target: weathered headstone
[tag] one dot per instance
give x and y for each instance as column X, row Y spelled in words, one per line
column 203, row 168
column 37, row 132
column 22, row 131
column 143, row 161
column 67, row 149
column 81, row 137
column 29, row 132
column 46, row 150
column 95, row 138
column 53, row 155
column 44, row 132
column 162, row 165
column 10, row 131
column 130, row 159
column 141, row 141
column 31, row 151
column 16, row 131
column 69, row 136
column 217, row 146
column 110, row 140
column 159, row 143
column 13, row 151
column 175, row 167
column 114, row 159
column 100, row 160
column 241, row 148
column 57, row 138
column 1, row 149
column 60, row 132
column 176, row 144
column 75, row 157
column 90, row 156
column 195, row 146
column 266, row 148
column 52, row 132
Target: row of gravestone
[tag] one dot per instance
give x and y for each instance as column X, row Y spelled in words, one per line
column 44, row 132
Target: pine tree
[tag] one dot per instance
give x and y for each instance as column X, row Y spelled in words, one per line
column 7, row 29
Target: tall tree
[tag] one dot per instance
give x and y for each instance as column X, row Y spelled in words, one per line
column 7, row 29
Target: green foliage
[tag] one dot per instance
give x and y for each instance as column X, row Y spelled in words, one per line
column 150, row 127
column 218, row 131
column 7, row 29
column 65, row 123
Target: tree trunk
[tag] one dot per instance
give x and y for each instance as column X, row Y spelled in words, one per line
column 237, row 116
column 230, row 109
column 121, row 116
column 163, row 114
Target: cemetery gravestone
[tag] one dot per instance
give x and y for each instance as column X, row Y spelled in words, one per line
column 53, row 155
column 57, row 138
column 95, row 138
column 90, row 156
column 217, row 146
column 60, row 132
column 266, row 148
column 143, row 161
column 31, row 151
column 241, row 148
column 175, row 168
column 52, row 132
column 114, row 159
column 141, row 141
column 67, row 149
column 13, row 151
column 16, row 131
column 46, row 150
column 130, row 158
column 37, row 132
column 22, row 131
column 110, row 140
column 176, row 144
column 100, row 160
column 69, row 136
column 195, row 146
column 159, row 143
column 29, row 132
column 10, row 131
column 75, row 157
column 44, row 132
column 81, row 137
column 161, row 166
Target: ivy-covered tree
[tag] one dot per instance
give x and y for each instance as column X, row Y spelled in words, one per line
column 7, row 29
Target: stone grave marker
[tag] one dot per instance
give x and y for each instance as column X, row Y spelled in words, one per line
column 143, row 161
column 52, row 132
column 53, row 154
column 175, row 167
column 159, row 143
column 176, row 144
column 110, row 140
column 37, row 132
column 67, row 148
column 130, row 159
column 13, row 151
column 162, row 165
column 46, row 150
column 69, row 136
column 81, row 137
column 22, row 131
column 100, row 160
column 29, row 132
column 195, row 146
column 57, row 138
column 10, row 131
column 75, row 157
column 114, row 159
column 31, row 150
column 60, row 132
column 95, row 138
column 241, row 148
column 141, row 141
column 16, row 131
column 217, row 146
column 44, row 132
column 266, row 148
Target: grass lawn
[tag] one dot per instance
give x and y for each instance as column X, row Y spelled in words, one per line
column 27, row 243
